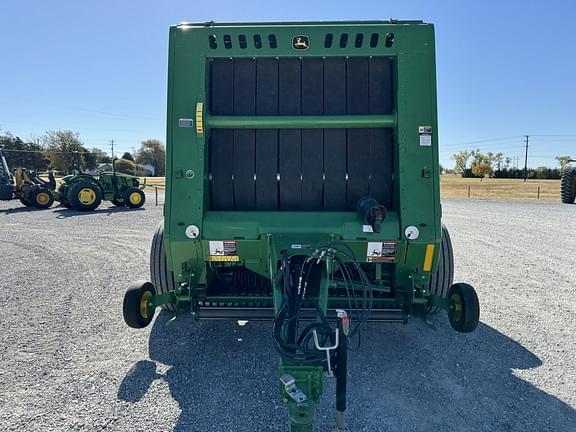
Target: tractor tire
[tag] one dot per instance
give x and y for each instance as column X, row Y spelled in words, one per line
column 118, row 203
column 568, row 186
column 85, row 196
column 442, row 280
column 134, row 198
column 134, row 307
column 26, row 202
column 465, row 313
column 161, row 277
column 41, row 197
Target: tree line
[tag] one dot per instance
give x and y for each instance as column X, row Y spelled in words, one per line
column 474, row 163
column 64, row 151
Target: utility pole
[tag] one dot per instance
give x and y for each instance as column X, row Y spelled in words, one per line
column 526, row 138
column 112, row 145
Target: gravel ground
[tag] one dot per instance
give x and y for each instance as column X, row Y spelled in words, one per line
column 68, row 362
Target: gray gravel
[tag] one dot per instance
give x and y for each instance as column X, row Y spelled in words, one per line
column 68, row 362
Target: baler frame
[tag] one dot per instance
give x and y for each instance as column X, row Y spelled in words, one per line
column 202, row 237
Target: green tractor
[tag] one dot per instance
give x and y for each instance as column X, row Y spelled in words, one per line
column 568, row 184
column 84, row 192
column 302, row 188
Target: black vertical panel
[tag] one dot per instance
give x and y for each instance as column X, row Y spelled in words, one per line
column 221, row 143
column 357, row 86
column 312, row 139
column 221, row 166
column 266, row 139
column 381, row 86
column 266, row 86
column 381, row 165
column 335, row 139
column 244, row 139
column 381, row 140
column 222, row 87
column 358, row 142
column 289, row 140
column 358, row 158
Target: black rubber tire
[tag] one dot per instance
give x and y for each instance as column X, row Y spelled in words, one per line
column 37, row 195
column 118, row 203
column 443, row 278
column 131, row 204
column 466, row 319
column 25, row 202
column 131, row 305
column 161, row 277
column 568, row 186
column 74, row 199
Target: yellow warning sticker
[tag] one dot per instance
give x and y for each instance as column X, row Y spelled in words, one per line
column 224, row 258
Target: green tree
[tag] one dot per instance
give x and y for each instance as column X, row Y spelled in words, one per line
column 152, row 152
column 563, row 161
column 461, row 160
column 66, row 151
column 481, row 164
column 128, row 156
column 127, row 166
column 20, row 154
column 100, row 155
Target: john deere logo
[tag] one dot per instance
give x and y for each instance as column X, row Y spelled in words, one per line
column 300, row 42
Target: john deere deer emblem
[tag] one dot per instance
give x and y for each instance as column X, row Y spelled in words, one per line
column 300, row 42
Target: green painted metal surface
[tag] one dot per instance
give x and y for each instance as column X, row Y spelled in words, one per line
column 259, row 236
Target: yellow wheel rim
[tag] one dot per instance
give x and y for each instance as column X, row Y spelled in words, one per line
column 87, row 196
column 457, row 303
column 42, row 198
column 144, row 304
column 135, row 198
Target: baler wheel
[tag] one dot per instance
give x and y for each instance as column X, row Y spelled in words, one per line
column 134, row 198
column 442, row 280
column 135, row 307
column 568, row 186
column 464, row 314
column 161, row 277
column 85, row 196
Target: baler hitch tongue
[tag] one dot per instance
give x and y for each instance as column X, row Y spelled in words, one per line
column 292, row 390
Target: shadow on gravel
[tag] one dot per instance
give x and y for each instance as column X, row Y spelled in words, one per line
column 21, row 210
column 403, row 378
column 63, row 212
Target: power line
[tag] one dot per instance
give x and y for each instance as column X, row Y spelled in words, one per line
column 482, row 141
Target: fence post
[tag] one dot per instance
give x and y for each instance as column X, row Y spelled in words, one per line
column 468, row 191
column 156, row 191
column 538, row 192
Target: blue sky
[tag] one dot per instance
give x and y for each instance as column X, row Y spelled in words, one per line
column 505, row 68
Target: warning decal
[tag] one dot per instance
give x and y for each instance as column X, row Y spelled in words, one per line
column 225, row 251
column 425, row 133
column 381, row 252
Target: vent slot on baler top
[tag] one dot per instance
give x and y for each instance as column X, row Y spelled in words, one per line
column 300, row 169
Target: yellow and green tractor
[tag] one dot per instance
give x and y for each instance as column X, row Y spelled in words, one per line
column 84, row 192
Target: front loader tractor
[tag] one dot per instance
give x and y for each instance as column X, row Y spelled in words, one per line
column 568, row 184
column 26, row 186
column 302, row 188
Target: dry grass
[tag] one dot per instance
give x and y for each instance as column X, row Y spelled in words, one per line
column 457, row 187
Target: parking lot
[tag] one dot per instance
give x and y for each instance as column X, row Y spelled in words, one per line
column 68, row 361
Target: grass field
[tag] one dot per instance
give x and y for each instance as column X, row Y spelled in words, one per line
column 456, row 187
